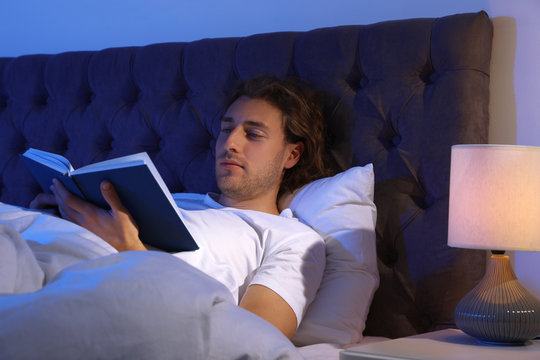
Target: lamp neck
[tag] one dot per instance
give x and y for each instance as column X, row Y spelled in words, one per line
column 500, row 268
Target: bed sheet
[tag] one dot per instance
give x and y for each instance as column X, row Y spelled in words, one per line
column 64, row 293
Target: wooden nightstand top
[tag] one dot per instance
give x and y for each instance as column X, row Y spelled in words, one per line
column 450, row 344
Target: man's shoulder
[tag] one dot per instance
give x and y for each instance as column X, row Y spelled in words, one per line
column 285, row 225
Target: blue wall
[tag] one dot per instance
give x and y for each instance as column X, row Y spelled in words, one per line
column 37, row 26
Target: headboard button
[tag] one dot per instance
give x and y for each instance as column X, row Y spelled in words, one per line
column 364, row 82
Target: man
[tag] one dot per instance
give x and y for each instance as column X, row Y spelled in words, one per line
column 271, row 142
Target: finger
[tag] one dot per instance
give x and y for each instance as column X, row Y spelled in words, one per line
column 64, row 215
column 67, row 197
column 68, row 204
column 43, row 200
column 62, row 208
column 111, row 197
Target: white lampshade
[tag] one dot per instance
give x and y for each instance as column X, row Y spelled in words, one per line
column 495, row 197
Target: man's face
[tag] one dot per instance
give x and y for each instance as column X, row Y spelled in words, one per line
column 251, row 151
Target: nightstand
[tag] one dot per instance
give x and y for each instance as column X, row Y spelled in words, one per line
column 449, row 344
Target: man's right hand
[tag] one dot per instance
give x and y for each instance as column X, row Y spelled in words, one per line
column 115, row 226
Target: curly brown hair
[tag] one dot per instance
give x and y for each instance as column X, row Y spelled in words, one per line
column 303, row 121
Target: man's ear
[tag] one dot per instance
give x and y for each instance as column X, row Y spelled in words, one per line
column 295, row 152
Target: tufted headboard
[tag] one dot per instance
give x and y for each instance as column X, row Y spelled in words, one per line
column 398, row 94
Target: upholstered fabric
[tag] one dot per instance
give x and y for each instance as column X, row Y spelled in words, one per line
column 399, row 93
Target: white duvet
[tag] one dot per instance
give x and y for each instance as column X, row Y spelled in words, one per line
column 65, row 294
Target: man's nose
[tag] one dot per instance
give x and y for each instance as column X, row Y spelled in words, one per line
column 234, row 140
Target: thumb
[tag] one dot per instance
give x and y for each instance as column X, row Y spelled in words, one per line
column 111, row 196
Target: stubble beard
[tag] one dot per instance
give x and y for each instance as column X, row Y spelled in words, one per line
column 251, row 186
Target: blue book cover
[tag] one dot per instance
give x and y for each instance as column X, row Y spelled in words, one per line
column 138, row 184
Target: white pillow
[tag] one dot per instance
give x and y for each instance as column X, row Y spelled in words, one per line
column 341, row 208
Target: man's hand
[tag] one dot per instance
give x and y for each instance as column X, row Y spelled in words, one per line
column 115, row 226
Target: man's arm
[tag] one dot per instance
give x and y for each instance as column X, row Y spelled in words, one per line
column 268, row 305
column 115, row 226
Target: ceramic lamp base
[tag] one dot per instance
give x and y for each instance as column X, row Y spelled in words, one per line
column 499, row 309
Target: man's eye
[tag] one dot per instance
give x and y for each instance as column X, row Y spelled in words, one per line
column 254, row 135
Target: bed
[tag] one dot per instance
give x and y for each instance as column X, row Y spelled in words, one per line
column 396, row 94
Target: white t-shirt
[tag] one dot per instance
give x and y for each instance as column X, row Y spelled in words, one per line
column 244, row 247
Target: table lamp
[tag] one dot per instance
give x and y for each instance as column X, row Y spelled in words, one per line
column 495, row 205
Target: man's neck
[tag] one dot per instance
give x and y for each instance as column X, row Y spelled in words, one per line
column 267, row 204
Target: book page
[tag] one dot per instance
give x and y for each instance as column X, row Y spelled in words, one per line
column 116, row 163
column 51, row 160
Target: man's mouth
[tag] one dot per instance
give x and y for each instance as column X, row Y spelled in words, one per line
column 230, row 163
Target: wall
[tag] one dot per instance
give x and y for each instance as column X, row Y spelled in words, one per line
column 35, row 26
column 59, row 25
column 515, row 90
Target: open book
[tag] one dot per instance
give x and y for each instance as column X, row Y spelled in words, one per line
column 138, row 184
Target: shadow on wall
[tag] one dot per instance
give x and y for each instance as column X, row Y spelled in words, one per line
column 502, row 107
